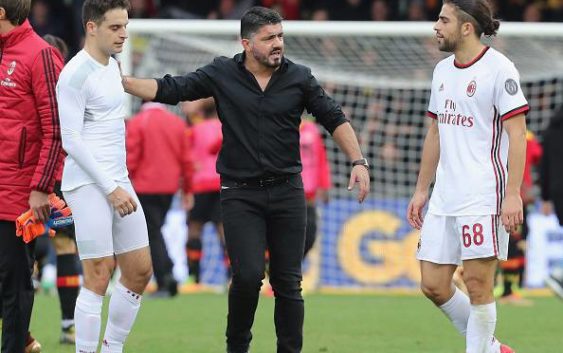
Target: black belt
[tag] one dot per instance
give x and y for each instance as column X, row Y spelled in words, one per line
column 257, row 182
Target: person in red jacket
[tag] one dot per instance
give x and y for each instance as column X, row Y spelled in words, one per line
column 30, row 154
column 203, row 200
column 158, row 159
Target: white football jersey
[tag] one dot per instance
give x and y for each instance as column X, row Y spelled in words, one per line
column 470, row 103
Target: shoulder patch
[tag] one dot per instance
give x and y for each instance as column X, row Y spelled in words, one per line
column 511, row 86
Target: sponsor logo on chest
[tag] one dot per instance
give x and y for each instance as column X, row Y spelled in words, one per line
column 450, row 116
column 7, row 82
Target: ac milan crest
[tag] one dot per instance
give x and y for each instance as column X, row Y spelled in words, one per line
column 471, row 88
column 11, row 68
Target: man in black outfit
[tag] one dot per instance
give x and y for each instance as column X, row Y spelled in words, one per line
column 260, row 96
column 551, row 172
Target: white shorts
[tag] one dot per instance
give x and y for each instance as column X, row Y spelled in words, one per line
column 452, row 239
column 100, row 230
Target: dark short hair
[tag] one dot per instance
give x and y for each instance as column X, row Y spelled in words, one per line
column 57, row 43
column 256, row 17
column 477, row 12
column 16, row 10
column 94, row 10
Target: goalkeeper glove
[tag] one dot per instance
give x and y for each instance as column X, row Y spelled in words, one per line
column 29, row 228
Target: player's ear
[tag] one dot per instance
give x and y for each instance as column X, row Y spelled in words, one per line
column 2, row 13
column 245, row 43
column 91, row 26
column 466, row 28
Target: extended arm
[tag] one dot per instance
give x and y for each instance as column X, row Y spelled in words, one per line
column 144, row 88
column 171, row 89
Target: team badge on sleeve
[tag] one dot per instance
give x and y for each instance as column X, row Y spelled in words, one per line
column 471, row 88
column 511, row 86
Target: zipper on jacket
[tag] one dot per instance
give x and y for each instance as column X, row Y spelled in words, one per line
column 21, row 150
column 1, row 50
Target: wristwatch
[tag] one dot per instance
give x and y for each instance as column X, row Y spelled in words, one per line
column 361, row 161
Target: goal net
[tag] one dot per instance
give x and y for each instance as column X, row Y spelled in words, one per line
column 380, row 73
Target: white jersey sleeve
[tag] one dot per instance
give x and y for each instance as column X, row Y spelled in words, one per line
column 72, row 106
column 509, row 98
column 432, row 104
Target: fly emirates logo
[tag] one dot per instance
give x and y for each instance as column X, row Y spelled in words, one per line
column 450, row 117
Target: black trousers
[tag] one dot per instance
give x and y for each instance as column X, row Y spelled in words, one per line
column 311, row 229
column 557, row 199
column 255, row 219
column 16, row 268
column 155, row 207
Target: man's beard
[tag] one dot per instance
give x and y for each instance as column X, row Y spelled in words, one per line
column 264, row 59
column 449, row 45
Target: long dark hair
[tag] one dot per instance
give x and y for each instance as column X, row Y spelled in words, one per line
column 477, row 12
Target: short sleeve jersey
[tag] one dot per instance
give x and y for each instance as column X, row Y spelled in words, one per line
column 470, row 103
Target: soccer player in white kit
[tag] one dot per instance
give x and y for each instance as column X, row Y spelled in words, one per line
column 109, row 222
column 476, row 148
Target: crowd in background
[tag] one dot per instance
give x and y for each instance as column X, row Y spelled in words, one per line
column 63, row 17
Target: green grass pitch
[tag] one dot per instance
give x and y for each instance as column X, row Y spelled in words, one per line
column 333, row 323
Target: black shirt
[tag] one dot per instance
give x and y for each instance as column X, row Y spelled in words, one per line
column 260, row 128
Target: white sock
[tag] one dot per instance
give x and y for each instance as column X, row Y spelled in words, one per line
column 87, row 318
column 481, row 328
column 457, row 310
column 123, row 308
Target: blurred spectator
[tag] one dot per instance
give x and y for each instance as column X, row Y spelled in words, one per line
column 142, row 9
column 158, row 159
column 552, row 183
column 554, row 10
column 58, row 43
column 379, row 11
column 187, row 9
column 320, row 14
column 551, row 170
column 203, row 200
column 230, row 9
column 432, row 8
column 64, row 17
column 532, row 13
column 511, row 10
column 289, row 9
column 44, row 20
column 315, row 174
column 416, row 11
column 349, row 10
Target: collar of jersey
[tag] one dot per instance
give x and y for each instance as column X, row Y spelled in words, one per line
column 477, row 58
